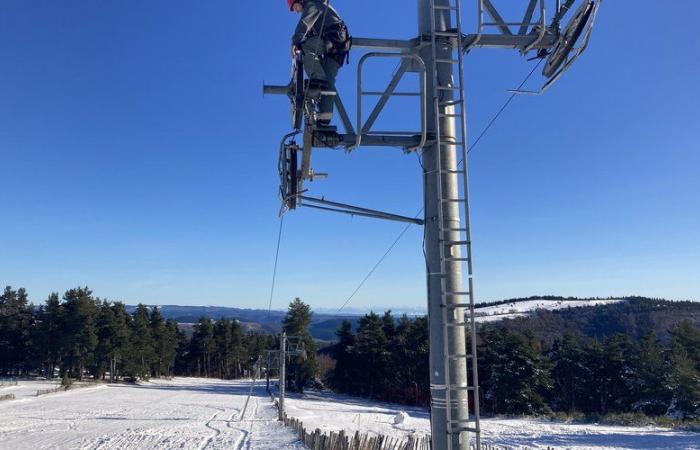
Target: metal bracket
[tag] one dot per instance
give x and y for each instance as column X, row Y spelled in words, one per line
column 327, row 205
column 363, row 130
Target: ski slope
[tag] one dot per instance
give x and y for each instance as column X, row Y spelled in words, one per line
column 334, row 412
column 526, row 307
column 184, row 413
column 197, row 414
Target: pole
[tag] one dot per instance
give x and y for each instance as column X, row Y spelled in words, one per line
column 452, row 276
column 267, row 372
column 283, row 377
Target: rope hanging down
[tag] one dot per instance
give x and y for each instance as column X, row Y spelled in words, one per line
column 274, row 270
column 403, row 232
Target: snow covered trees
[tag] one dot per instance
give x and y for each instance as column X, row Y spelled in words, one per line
column 520, row 373
column 513, row 374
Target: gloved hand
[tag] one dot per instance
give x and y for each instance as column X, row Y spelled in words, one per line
column 294, row 51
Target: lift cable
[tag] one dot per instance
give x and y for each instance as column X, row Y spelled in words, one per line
column 503, row 108
column 369, row 274
column 274, row 271
column 474, row 144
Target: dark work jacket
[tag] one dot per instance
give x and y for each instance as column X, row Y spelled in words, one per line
column 312, row 19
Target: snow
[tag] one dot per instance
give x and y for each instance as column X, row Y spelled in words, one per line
column 184, row 413
column 332, row 412
column 189, row 413
column 400, row 418
column 526, row 307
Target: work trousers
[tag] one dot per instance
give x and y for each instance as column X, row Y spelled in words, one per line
column 319, row 66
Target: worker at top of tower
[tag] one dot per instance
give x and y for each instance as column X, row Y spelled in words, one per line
column 323, row 39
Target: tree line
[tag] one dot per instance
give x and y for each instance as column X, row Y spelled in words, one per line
column 79, row 335
column 387, row 359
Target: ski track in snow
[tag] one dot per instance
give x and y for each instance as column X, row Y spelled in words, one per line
column 184, row 413
column 199, row 414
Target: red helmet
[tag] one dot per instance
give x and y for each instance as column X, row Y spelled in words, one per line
column 291, row 3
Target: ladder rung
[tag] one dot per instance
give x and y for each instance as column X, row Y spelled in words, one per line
column 393, row 94
column 460, row 387
column 448, row 88
column 456, row 242
column 461, row 429
column 442, row 7
column 456, row 259
column 449, row 115
column 452, row 200
column 451, row 103
column 456, row 293
column 447, row 61
column 454, row 229
column 446, row 33
column 456, row 305
column 452, row 171
column 460, row 355
column 453, row 144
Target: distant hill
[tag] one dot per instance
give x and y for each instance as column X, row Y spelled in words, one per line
column 550, row 316
column 634, row 316
column 323, row 326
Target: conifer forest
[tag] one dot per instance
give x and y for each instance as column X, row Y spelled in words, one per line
column 523, row 368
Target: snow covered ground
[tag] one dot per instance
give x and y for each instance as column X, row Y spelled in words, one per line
column 184, row 413
column 335, row 412
column 523, row 308
column 188, row 413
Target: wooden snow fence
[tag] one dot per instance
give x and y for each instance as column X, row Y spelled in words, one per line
column 317, row 440
column 83, row 384
column 50, row 391
column 8, row 382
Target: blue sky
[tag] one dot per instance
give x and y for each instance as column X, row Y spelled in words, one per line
column 139, row 158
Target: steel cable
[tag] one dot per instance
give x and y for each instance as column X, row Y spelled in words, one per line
column 471, row 147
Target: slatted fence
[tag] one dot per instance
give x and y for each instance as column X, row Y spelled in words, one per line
column 318, row 440
column 8, row 382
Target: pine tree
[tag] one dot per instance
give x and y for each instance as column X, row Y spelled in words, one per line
column 371, row 350
column 568, row 374
column 169, row 347
column 617, row 376
column 159, row 334
column 224, row 347
column 685, row 384
column 651, row 391
column 685, row 371
column 141, row 351
column 16, row 320
column 343, row 377
column 203, row 346
column 687, row 336
column 79, row 331
column 121, row 339
column 105, row 344
column 515, row 376
column 301, row 368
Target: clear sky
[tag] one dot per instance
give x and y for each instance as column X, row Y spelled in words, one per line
column 139, row 157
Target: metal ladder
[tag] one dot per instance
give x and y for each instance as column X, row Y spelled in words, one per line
column 449, row 102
